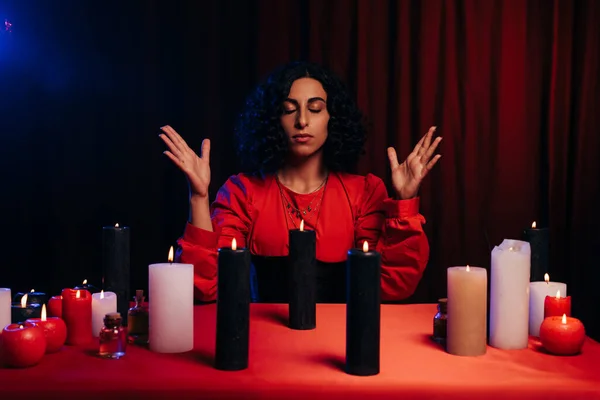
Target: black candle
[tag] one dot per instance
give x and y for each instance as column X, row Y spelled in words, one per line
column 87, row 286
column 33, row 297
column 19, row 312
column 233, row 308
column 538, row 241
column 302, row 283
column 115, row 265
column 363, row 296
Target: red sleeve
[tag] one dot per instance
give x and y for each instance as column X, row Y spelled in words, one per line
column 394, row 228
column 230, row 215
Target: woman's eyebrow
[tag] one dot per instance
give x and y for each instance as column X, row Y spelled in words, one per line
column 311, row 100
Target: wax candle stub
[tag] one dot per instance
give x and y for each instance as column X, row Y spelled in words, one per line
column 562, row 335
column 538, row 291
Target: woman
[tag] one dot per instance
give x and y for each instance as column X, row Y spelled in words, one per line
column 300, row 136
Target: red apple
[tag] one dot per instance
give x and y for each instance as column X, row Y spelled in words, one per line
column 23, row 345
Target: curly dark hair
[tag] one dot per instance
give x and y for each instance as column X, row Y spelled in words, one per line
column 262, row 143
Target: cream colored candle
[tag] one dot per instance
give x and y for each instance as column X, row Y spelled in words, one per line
column 102, row 304
column 537, row 295
column 171, row 307
column 509, row 295
column 467, row 311
column 5, row 307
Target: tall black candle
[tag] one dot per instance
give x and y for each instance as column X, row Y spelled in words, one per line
column 233, row 308
column 363, row 314
column 115, row 265
column 538, row 241
column 302, row 283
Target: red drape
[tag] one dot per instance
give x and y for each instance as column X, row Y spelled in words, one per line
column 513, row 87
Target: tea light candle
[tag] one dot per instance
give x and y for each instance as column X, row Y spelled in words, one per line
column 557, row 306
column 537, row 295
column 562, row 335
column 171, row 306
column 509, row 295
column 5, row 308
column 467, row 311
column 102, row 304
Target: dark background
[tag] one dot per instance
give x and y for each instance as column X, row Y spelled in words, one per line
column 512, row 85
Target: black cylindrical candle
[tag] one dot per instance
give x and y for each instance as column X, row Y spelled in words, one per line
column 87, row 286
column 115, row 265
column 233, row 309
column 19, row 314
column 363, row 296
column 302, row 283
column 32, row 297
column 538, row 241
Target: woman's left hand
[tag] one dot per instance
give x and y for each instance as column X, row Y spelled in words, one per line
column 407, row 177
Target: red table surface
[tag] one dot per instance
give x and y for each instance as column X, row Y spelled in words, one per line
column 288, row 364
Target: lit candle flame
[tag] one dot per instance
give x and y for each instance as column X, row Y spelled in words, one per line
column 85, row 282
column 564, row 319
column 233, row 244
column 20, row 326
column 468, row 268
column 558, row 294
column 546, row 278
column 78, row 295
column 44, row 312
column 102, row 294
column 533, row 225
column 24, row 300
column 302, row 225
column 365, row 246
column 32, row 290
column 117, row 225
column 170, row 257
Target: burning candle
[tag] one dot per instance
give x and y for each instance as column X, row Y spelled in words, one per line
column 302, row 283
column 467, row 311
column 537, row 295
column 22, row 345
column 102, row 303
column 20, row 311
column 171, row 306
column 33, row 297
column 5, row 311
column 77, row 314
column 233, row 308
column 363, row 314
column 54, row 328
column 509, row 295
column 87, row 286
column 557, row 306
column 55, row 306
column 562, row 335
column 538, row 241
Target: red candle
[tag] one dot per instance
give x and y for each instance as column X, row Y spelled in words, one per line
column 22, row 345
column 55, row 306
column 562, row 335
column 77, row 314
column 556, row 306
column 54, row 329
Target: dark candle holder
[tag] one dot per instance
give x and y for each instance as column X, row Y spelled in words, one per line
column 538, row 239
column 19, row 314
column 32, row 298
column 233, row 309
column 302, row 280
column 363, row 312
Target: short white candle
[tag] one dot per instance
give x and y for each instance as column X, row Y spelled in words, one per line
column 467, row 311
column 537, row 295
column 171, row 307
column 5, row 306
column 102, row 304
column 509, row 295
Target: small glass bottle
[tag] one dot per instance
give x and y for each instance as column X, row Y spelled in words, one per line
column 113, row 337
column 137, row 321
column 439, row 322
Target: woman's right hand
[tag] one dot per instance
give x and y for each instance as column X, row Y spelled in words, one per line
column 196, row 169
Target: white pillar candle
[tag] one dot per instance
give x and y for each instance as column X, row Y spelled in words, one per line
column 102, row 304
column 466, row 333
column 509, row 295
column 5, row 307
column 537, row 295
column 171, row 307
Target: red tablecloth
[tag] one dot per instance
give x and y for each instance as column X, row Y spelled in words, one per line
column 288, row 364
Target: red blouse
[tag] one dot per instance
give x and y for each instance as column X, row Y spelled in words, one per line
column 348, row 210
